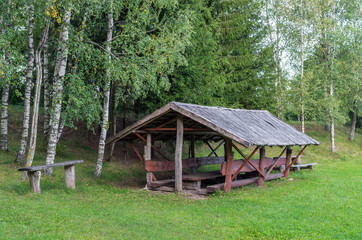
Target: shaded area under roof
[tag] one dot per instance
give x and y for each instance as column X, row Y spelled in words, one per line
column 247, row 127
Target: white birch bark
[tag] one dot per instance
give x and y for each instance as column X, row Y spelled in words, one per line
column 39, row 76
column 331, row 90
column 46, row 92
column 102, row 138
column 4, row 105
column 29, row 77
column 59, row 73
column 4, row 118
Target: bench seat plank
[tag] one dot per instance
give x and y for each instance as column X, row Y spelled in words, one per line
column 160, row 182
column 201, row 176
column 42, row 167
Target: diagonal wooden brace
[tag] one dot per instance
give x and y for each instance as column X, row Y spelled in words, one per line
column 295, row 159
column 244, row 163
column 140, row 157
column 242, row 154
column 214, row 150
column 163, row 155
column 276, row 161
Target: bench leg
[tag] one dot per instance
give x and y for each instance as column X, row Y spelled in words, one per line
column 34, row 179
column 69, row 172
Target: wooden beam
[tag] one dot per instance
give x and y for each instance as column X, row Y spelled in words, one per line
column 168, row 122
column 276, row 161
column 214, row 150
column 288, row 156
column 147, row 119
column 148, row 156
column 137, row 152
column 178, row 154
column 229, row 157
column 245, row 162
column 261, row 167
column 250, row 162
column 142, row 138
column 296, row 158
column 175, row 129
column 192, row 152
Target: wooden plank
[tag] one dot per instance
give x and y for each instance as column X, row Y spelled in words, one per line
column 160, row 182
column 174, row 129
column 163, row 155
column 274, row 176
column 42, row 167
column 289, row 155
column 201, row 176
column 229, row 157
column 261, row 167
column 237, row 183
column 245, row 162
column 178, row 154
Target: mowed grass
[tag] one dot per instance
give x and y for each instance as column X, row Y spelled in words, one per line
column 321, row 204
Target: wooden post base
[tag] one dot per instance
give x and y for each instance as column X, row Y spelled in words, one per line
column 69, row 173
column 34, row 179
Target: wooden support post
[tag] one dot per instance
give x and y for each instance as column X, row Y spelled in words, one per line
column 34, row 179
column 261, row 167
column 69, row 173
column 229, row 156
column 289, row 156
column 192, row 151
column 178, row 154
column 148, row 153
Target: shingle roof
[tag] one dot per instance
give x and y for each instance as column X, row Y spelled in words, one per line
column 248, row 127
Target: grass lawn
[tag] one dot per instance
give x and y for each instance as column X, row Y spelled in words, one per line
column 323, row 204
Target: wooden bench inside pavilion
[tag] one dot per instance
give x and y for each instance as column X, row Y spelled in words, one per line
column 228, row 128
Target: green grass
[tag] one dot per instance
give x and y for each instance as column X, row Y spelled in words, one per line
column 323, row 204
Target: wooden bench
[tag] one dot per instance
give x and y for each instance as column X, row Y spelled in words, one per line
column 303, row 166
column 34, row 174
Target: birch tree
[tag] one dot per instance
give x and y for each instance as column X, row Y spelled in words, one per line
column 103, row 135
column 59, row 73
column 35, row 118
column 5, row 92
column 29, row 78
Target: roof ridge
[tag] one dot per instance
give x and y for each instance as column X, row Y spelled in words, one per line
column 220, row 107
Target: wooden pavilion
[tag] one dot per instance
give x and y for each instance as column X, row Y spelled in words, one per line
column 228, row 127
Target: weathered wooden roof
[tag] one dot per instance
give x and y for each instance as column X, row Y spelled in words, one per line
column 247, row 127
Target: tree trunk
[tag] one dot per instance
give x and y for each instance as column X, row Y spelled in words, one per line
column 4, row 104
column 331, row 92
column 4, row 118
column 354, row 121
column 102, row 138
column 34, row 123
column 59, row 73
column 29, row 77
column 46, row 92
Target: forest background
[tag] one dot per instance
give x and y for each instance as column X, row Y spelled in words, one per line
column 106, row 61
